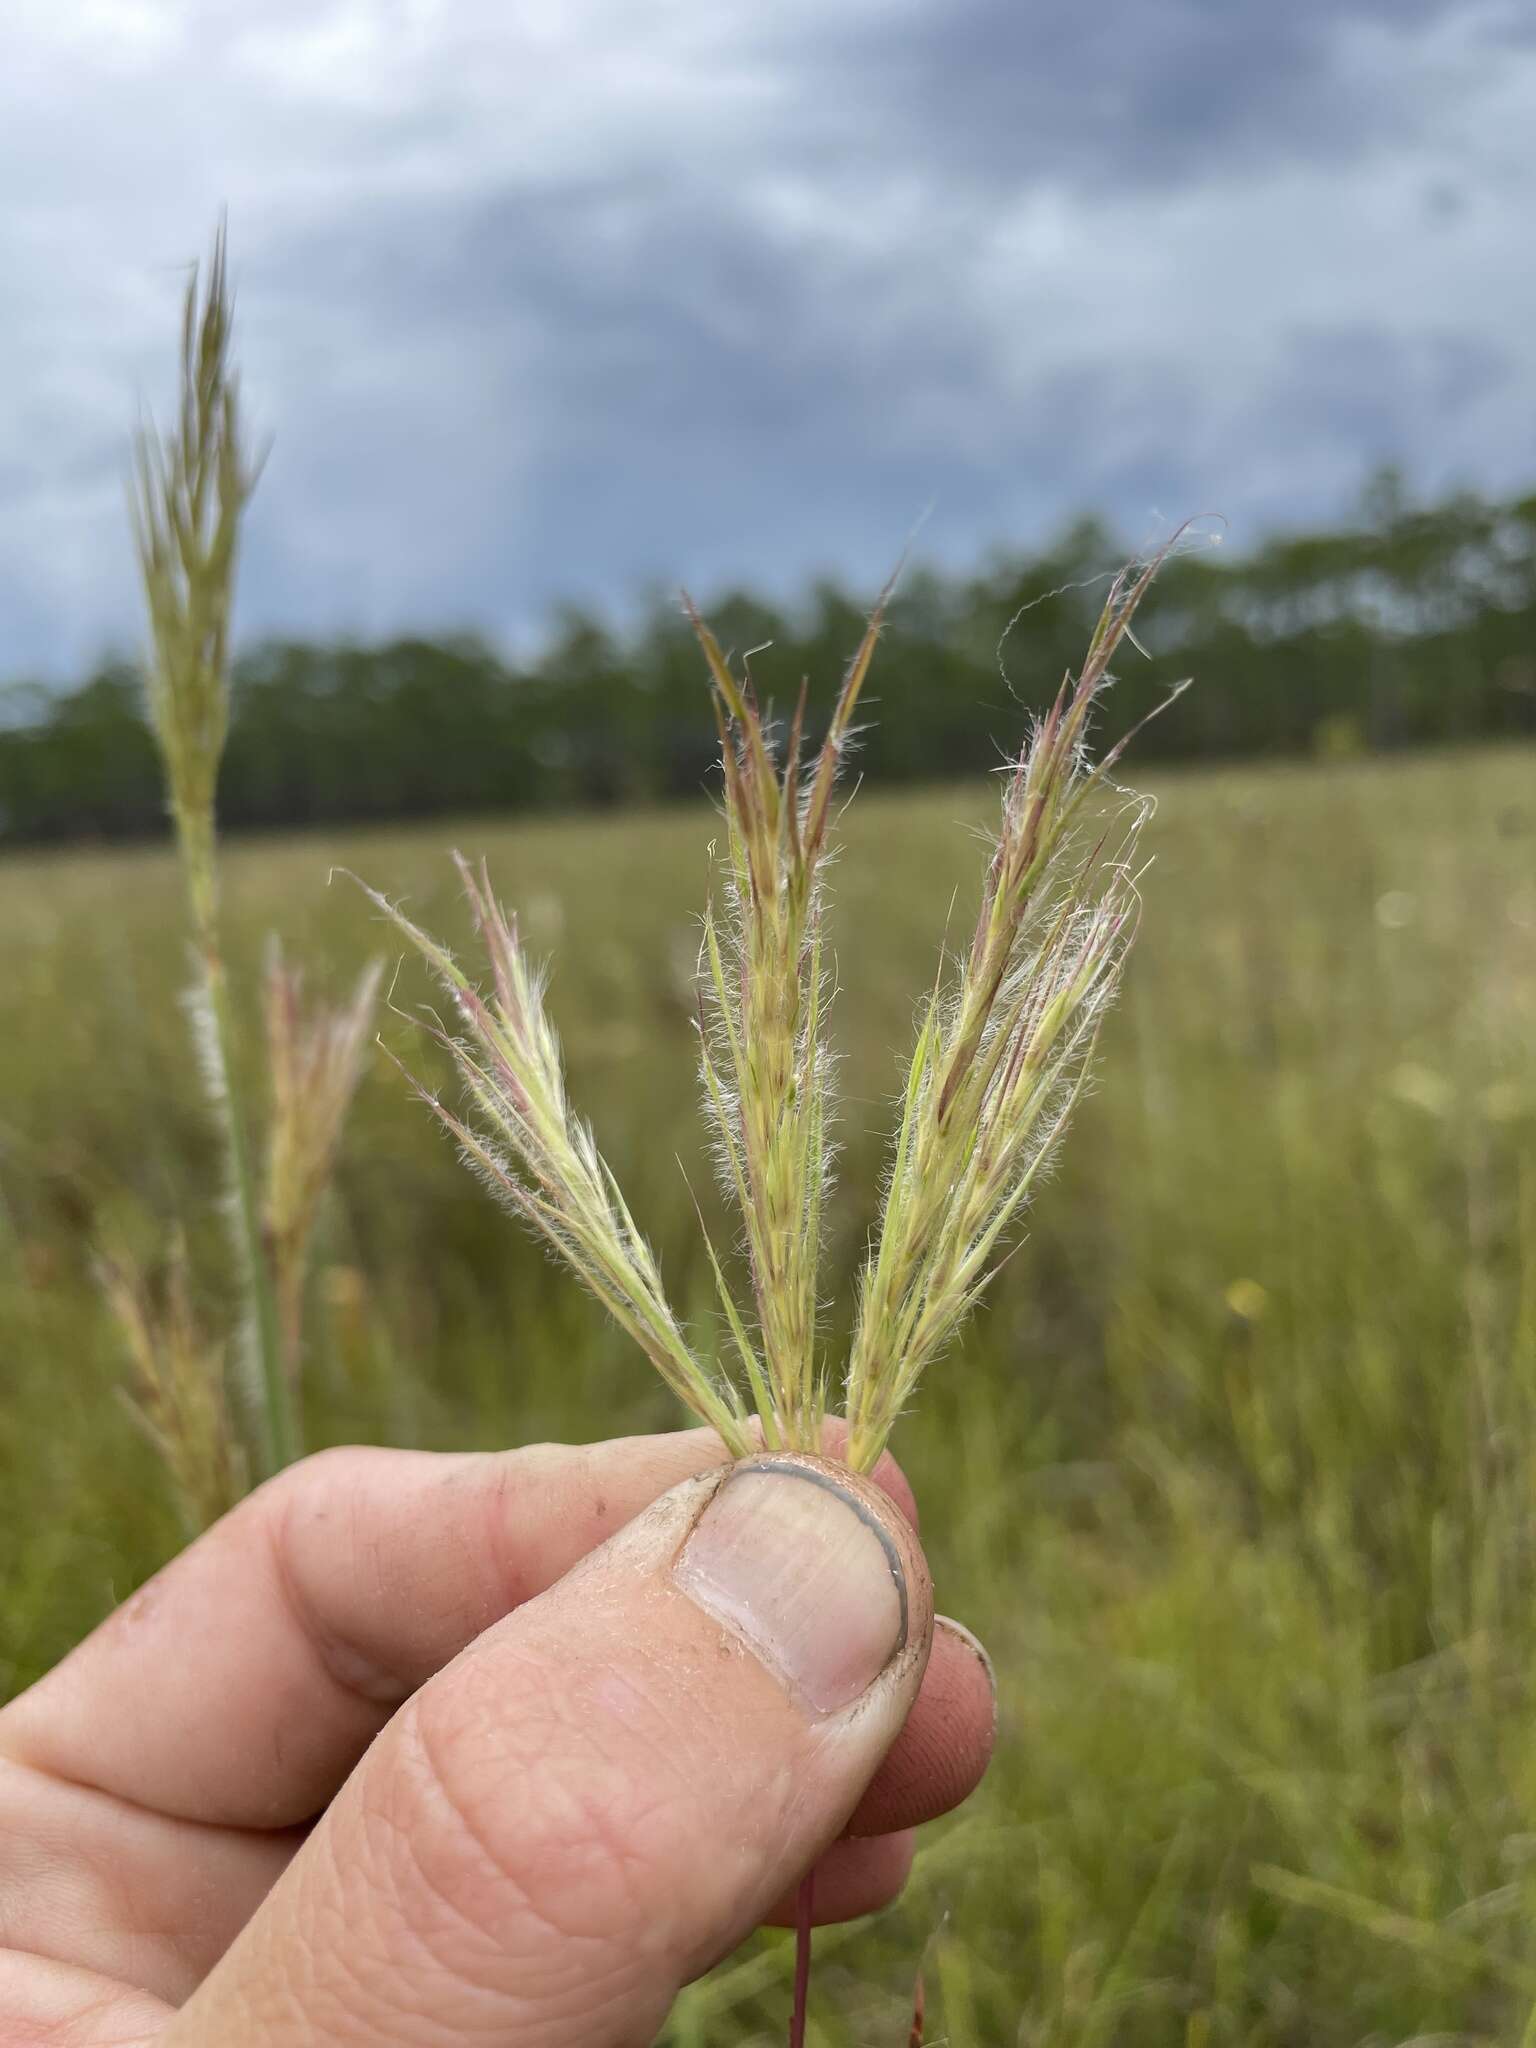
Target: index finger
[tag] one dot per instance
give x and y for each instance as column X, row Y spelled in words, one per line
column 242, row 1684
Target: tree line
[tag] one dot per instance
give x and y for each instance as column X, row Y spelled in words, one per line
column 1413, row 626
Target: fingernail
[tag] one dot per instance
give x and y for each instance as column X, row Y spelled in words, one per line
column 803, row 1572
column 977, row 1648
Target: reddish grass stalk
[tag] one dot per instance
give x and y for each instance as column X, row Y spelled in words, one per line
column 803, row 1905
column 919, row 2012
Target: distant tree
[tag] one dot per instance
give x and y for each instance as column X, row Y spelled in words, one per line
column 1414, row 626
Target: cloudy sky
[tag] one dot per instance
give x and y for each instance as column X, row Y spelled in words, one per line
column 568, row 298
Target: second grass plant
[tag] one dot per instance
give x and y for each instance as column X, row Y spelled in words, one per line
column 192, row 485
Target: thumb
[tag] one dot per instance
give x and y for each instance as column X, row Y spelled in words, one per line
column 607, row 1790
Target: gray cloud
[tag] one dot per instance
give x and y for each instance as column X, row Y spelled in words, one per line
column 542, row 305
column 1177, row 91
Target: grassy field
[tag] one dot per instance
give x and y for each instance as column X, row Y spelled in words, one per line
column 1236, row 1475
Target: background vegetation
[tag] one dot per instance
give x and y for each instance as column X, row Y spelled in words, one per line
column 1414, row 627
column 1237, row 1472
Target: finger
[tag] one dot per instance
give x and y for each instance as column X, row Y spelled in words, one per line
column 944, row 1748
column 105, row 1886
column 607, row 1790
column 242, row 1683
column 88, row 1879
column 850, row 1880
column 42, row 2001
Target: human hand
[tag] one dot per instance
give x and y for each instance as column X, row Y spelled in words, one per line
column 500, row 1748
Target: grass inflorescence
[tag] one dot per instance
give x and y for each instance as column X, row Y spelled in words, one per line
column 192, row 485
column 314, row 1058
column 1003, row 1049
column 191, row 488
column 175, row 1390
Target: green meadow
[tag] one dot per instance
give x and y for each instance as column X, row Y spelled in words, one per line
column 1235, row 1472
